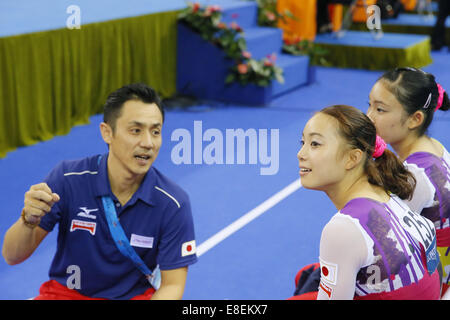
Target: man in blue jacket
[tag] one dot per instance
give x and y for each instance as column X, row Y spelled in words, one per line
column 154, row 213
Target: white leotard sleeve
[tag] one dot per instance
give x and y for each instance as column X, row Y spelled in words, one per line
column 423, row 193
column 343, row 252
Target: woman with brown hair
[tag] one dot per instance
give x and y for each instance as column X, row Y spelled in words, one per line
column 374, row 247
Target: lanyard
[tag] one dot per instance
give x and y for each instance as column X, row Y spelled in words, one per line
column 124, row 246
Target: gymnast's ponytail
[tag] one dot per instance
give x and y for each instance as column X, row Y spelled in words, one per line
column 445, row 102
column 389, row 173
column 382, row 166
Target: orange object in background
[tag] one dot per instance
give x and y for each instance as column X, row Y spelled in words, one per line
column 336, row 12
column 305, row 27
column 409, row 5
column 360, row 14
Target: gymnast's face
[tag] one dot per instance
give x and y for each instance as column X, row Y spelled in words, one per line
column 387, row 114
column 321, row 158
column 136, row 139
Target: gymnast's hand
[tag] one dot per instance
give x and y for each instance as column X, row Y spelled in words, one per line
column 39, row 200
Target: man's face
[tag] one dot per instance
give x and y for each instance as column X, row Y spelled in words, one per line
column 135, row 142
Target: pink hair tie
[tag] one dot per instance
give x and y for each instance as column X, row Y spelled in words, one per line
column 380, row 146
column 441, row 96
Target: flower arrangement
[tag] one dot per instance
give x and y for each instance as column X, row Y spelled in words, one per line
column 260, row 72
column 207, row 22
column 268, row 14
column 299, row 47
column 228, row 38
column 203, row 20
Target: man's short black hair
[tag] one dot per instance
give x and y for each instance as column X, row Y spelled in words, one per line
column 135, row 91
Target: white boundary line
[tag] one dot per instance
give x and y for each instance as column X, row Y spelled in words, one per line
column 248, row 217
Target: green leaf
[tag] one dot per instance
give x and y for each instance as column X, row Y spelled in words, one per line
column 230, row 78
column 265, row 72
column 279, row 77
column 244, row 82
column 242, row 44
column 254, row 65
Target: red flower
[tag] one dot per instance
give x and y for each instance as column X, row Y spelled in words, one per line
column 242, row 68
column 221, row 25
column 288, row 42
column 211, row 9
column 270, row 15
column 268, row 63
column 246, row 54
column 216, row 8
column 196, row 7
column 235, row 26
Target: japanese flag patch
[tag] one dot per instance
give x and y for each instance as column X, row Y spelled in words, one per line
column 188, row 248
column 328, row 272
column 328, row 290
